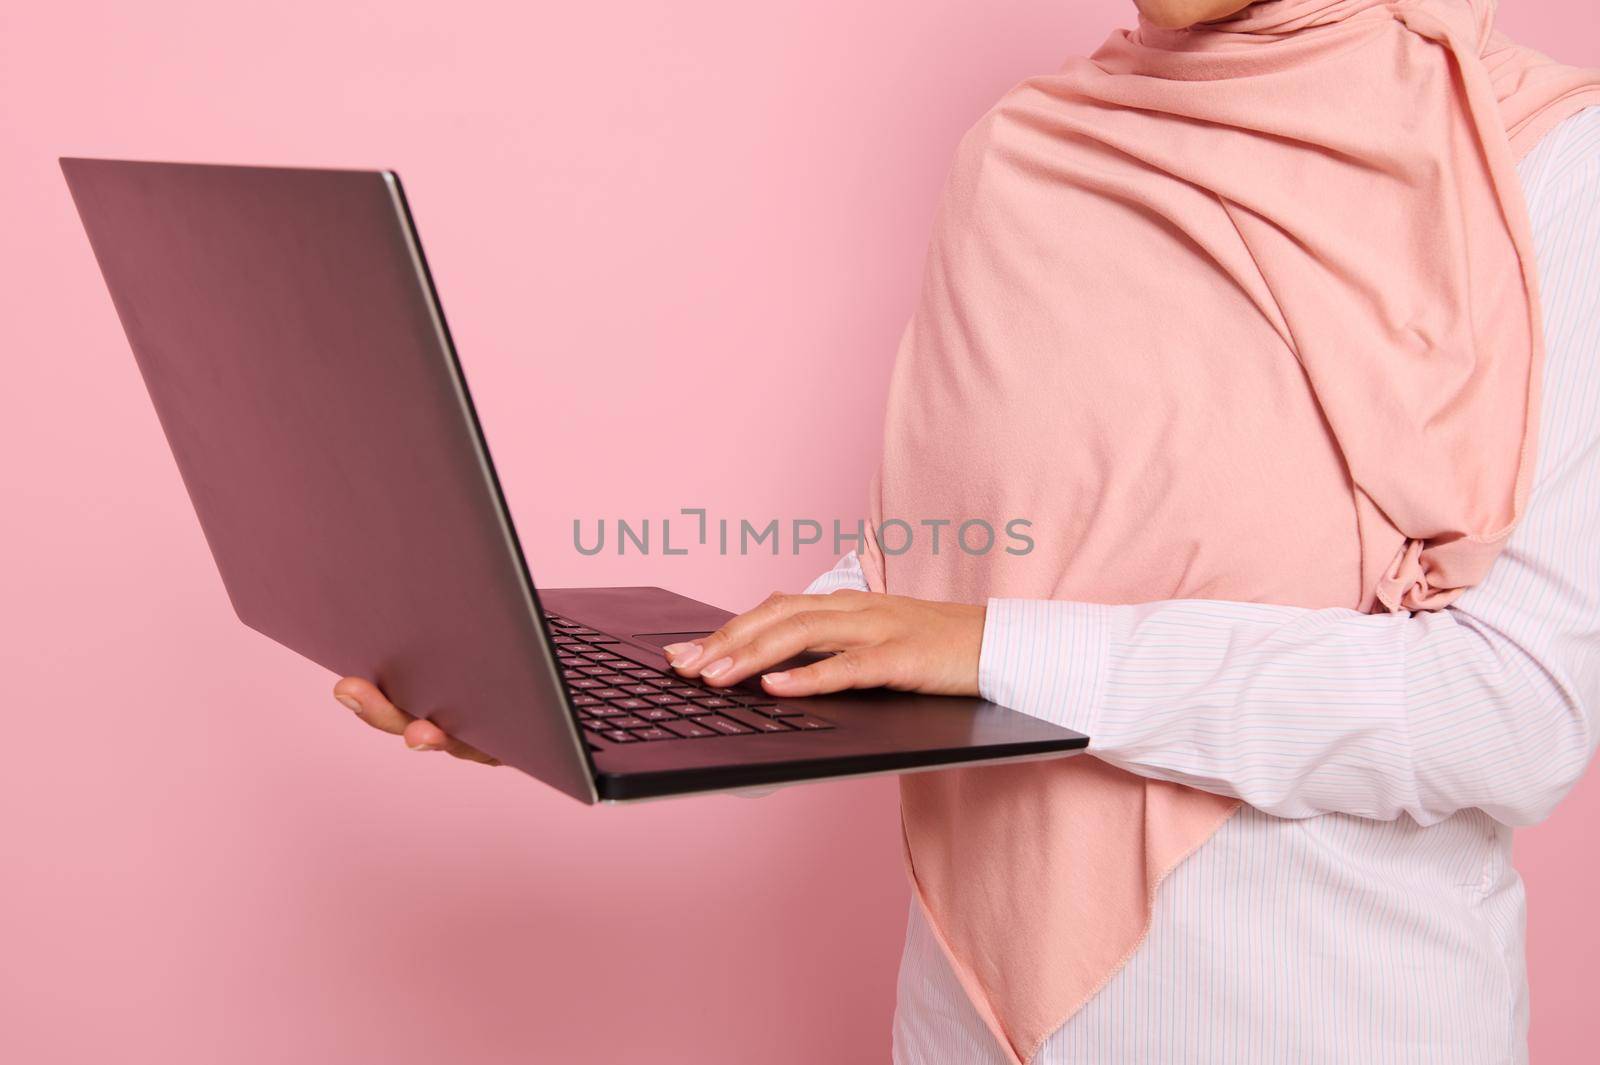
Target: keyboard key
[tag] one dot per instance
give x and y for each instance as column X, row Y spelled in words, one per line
column 604, row 711
column 607, row 693
column 586, row 700
column 629, row 703
column 654, row 734
column 597, row 638
column 657, row 713
column 712, row 702
column 595, row 671
column 663, row 699
column 688, row 728
column 584, row 682
column 627, row 721
column 802, row 721
column 619, row 736
column 722, row 725
column 639, row 689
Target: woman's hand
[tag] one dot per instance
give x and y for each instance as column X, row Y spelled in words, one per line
column 371, row 706
column 886, row 641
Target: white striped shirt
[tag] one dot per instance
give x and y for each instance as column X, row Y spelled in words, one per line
column 1362, row 907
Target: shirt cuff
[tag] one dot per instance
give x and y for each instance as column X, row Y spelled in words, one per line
column 1047, row 658
column 846, row 573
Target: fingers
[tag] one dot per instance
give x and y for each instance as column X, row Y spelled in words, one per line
column 370, row 704
column 867, row 668
column 691, row 659
column 424, row 735
column 809, row 630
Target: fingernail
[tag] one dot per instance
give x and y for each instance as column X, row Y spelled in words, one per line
column 775, row 678
column 718, row 667
column 350, row 704
column 420, row 747
column 682, row 654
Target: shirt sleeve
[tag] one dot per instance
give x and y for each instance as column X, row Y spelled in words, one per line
column 846, row 573
column 1488, row 704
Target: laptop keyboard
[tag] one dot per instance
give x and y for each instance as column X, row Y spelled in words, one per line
column 619, row 700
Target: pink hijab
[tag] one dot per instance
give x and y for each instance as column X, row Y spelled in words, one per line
column 1245, row 311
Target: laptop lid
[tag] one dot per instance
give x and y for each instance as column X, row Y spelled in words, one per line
column 278, row 317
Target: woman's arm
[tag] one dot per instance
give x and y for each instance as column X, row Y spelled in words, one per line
column 1305, row 712
column 1301, row 712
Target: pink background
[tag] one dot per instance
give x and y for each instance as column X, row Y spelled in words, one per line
column 205, row 858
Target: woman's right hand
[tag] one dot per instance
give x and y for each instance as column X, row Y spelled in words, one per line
column 369, row 704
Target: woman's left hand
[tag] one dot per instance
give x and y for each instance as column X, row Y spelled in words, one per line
column 883, row 641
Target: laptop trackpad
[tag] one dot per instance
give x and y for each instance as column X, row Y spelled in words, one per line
column 659, row 640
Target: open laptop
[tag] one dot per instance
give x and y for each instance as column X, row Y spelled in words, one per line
column 294, row 348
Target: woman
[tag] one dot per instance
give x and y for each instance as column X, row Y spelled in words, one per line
column 1278, row 321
